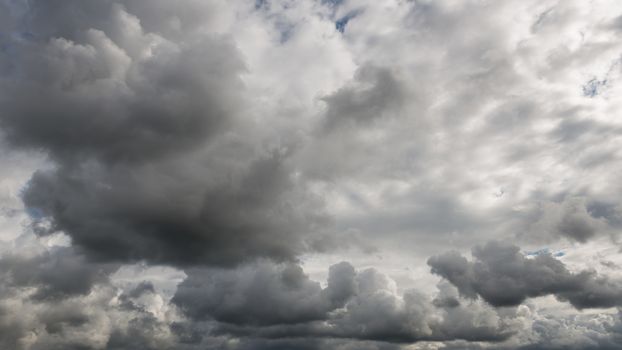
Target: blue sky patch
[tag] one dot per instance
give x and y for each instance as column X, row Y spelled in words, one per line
column 593, row 87
column 341, row 23
column 534, row 253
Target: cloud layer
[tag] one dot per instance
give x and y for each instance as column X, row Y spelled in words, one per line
column 502, row 276
column 275, row 174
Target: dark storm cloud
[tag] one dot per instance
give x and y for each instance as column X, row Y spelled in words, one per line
column 95, row 98
column 263, row 295
column 292, row 343
column 11, row 329
column 308, row 344
column 503, row 276
column 58, row 273
column 165, row 103
column 179, row 211
column 154, row 158
column 272, row 302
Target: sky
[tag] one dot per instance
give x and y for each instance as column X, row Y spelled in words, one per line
column 310, row 174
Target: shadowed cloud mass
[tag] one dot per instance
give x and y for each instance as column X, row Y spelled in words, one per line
column 503, row 276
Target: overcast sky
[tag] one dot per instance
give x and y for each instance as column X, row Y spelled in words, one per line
column 310, row 174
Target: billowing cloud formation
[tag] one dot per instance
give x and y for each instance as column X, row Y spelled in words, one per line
column 172, row 107
column 268, row 301
column 55, row 274
column 503, row 276
column 171, row 212
column 57, row 299
column 72, row 303
column 155, row 160
column 180, row 175
column 264, row 295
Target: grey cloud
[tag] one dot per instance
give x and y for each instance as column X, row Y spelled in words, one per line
column 341, row 283
column 77, row 319
column 263, row 294
column 182, row 211
column 92, row 99
column 575, row 218
column 610, row 264
column 155, row 159
column 502, row 276
column 608, row 210
column 375, row 93
column 616, row 24
column 447, row 297
column 272, row 302
column 375, row 100
column 58, row 320
column 58, row 273
column 141, row 333
column 577, row 332
column 144, row 287
column 548, row 332
column 376, row 314
column 11, row 330
column 302, row 343
column 264, row 305
column 556, row 334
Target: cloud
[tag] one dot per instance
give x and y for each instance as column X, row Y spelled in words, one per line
column 580, row 331
column 58, row 273
column 154, row 159
column 503, row 276
column 58, row 300
column 263, row 295
column 572, row 220
column 270, row 302
column 94, row 98
column 258, row 305
column 172, row 212
column 236, row 142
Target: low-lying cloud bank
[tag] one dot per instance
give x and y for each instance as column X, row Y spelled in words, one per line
column 268, row 305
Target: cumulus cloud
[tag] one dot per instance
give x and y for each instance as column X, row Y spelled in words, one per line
column 268, row 301
column 56, row 299
column 154, row 158
column 262, row 295
column 503, row 276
